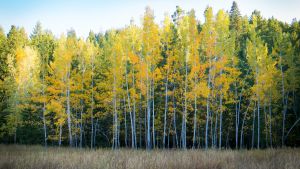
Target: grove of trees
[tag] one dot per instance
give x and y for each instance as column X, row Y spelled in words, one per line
column 230, row 81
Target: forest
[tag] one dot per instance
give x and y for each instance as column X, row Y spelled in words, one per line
column 229, row 81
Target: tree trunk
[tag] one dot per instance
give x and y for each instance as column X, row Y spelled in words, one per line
column 153, row 115
column 166, row 109
column 266, row 130
column 221, row 119
column 44, row 123
column 92, row 129
column 185, row 106
column 140, row 121
column 92, row 107
column 174, row 117
column 243, row 123
column 60, row 133
column 195, row 120
column 69, row 109
column 134, row 113
column 81, row 130
column 95, row 132
column 207, row 106
column 253, row 125
column 258, row 123
column 270, row 114
column 76, row 127
column 215, row 131
column 146, row 127
column 258, row 110
column 236, row 117
column 148, row 112
column 115, row 119
column 15, row 137
column 129, row 107
column 211, row 129
column 82, row 104
column 294, row 103
column 287, row 134
column 125, row 120
column 195, row 110
column 283, row 102
column 44, row 110
column 168, row 137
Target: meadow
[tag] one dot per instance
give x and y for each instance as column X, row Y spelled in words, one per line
column 37, row 157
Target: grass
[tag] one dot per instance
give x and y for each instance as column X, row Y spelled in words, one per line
column 37, row 157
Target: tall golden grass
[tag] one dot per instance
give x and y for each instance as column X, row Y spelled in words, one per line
column 37, row 157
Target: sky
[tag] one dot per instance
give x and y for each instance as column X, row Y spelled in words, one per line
column 59, row 16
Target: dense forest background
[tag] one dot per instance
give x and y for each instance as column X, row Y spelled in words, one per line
column 231, row 81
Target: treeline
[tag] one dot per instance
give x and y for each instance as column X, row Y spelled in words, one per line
column 231, row 81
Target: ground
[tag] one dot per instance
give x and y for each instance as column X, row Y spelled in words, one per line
column 37, row 157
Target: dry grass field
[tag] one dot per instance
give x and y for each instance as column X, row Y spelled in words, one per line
column 37, row 157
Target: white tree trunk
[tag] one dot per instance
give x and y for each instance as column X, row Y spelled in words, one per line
column 125, row 120
column 253, row 125
column 148, row 145
column 195, row 120
column 166, row 109
column 270, row 123
column 92, row 108
column 185, row 106
column 44, row 110
column 69, row 108
column 129, row 107
column 258, row 112
column 236, row 116
column 92, row 103
column 115, row 119
column 153, row 115
column 60, row 133
column 134, row 113
column 174, row 117
column 195, row 109
column 44, row 123
column 207, row 106
column 221, row 119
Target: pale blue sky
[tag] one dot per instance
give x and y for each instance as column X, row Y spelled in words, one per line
column 99, row 15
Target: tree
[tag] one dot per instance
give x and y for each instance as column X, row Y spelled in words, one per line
column 208, row 39
column 257, row 53
column 166, row 44
column 226, row 71
column 24, row 74
column 183, row 36
column 235, row 17
column 3, row 72
column 151, row 51
column 62, row 69
column 3, row 65
column 14, row 45
column 44, row 42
